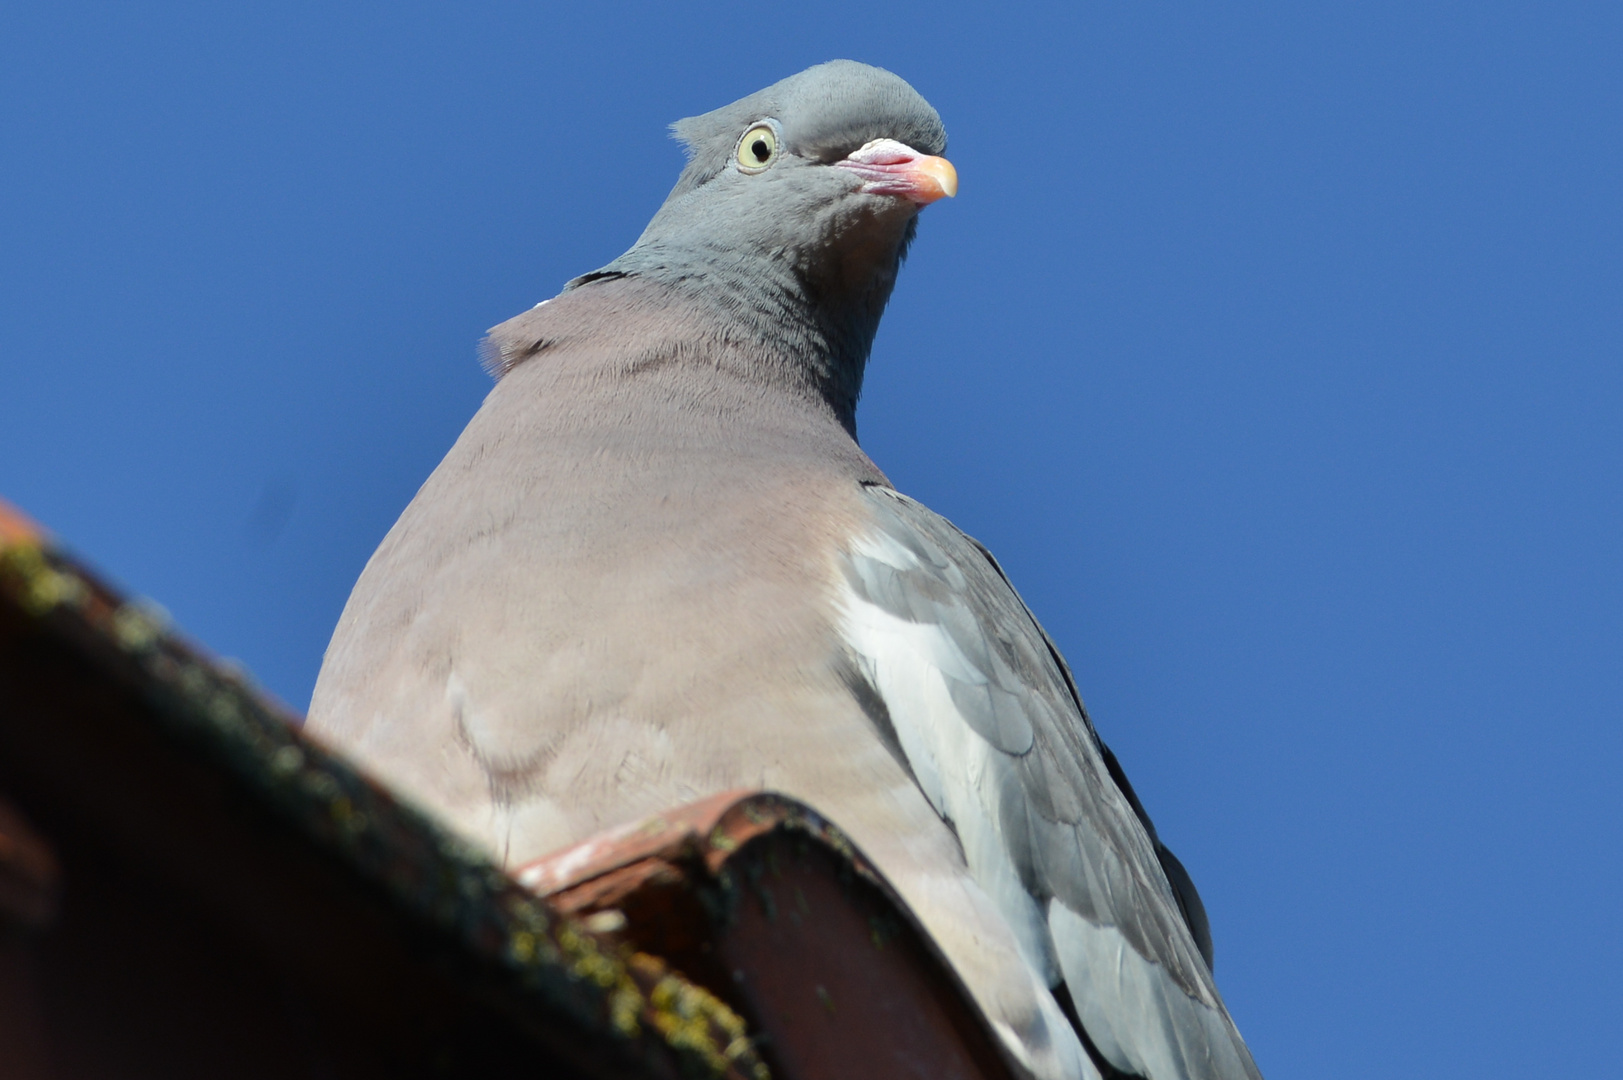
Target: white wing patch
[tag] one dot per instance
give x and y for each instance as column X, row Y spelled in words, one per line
column 965, row 778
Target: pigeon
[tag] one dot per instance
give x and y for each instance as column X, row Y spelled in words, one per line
column 657, row 565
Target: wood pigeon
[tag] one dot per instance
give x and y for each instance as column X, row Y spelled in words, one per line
column 657, row 565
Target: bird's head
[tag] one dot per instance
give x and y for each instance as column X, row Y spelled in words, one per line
column 827, row 164
column 797, row 206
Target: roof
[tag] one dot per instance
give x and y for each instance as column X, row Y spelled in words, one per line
column 771, row 907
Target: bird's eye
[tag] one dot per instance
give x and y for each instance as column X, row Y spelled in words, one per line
column 758, row 148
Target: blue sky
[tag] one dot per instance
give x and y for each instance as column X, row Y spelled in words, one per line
column 1276, row 350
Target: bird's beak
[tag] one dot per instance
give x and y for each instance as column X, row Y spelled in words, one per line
column 888, row 167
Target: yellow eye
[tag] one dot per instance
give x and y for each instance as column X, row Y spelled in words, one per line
column 758, row 148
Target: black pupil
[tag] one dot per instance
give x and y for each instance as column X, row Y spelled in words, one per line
column 760, row 149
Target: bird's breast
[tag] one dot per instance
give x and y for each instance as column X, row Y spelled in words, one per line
column 596, row 611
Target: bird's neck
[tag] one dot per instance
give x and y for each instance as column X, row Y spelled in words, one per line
column 800, row 329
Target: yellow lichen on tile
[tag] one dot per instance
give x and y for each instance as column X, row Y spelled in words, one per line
column 37, row 585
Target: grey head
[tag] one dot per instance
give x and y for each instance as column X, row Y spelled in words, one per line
column 793, row 217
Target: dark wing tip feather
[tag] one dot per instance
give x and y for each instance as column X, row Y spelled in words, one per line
column 1189, row 902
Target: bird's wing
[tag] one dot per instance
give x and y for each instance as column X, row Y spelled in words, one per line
column 982, row 709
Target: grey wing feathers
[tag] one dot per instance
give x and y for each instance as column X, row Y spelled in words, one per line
column 1190, row 905
column 1049, row 824
column 1183, row 886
